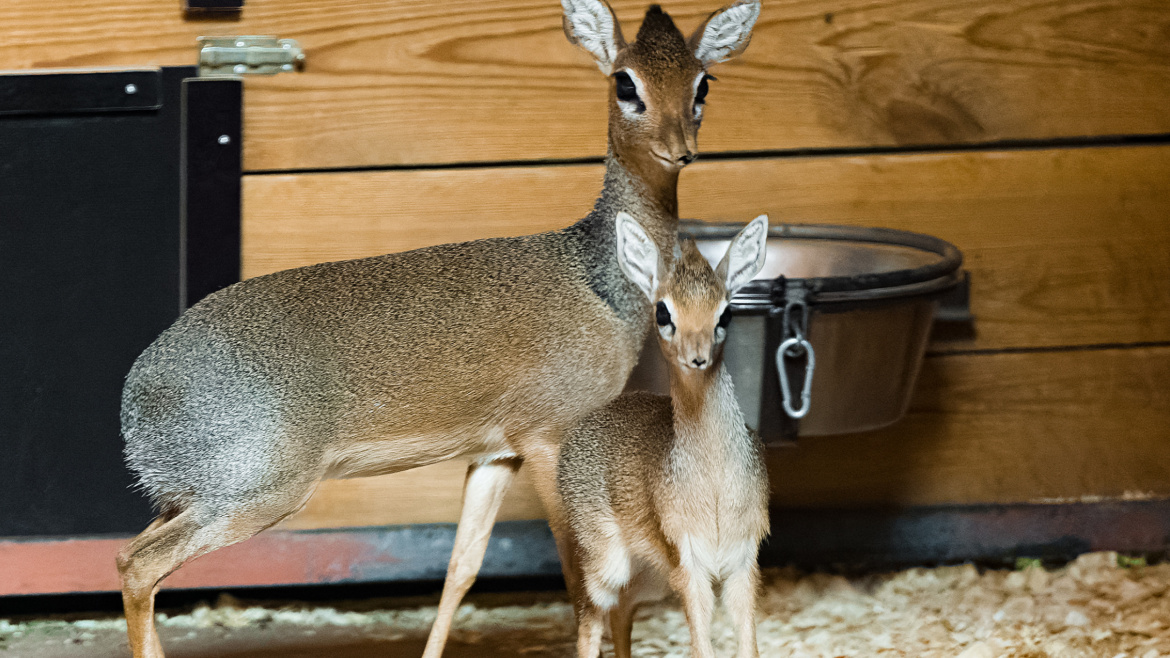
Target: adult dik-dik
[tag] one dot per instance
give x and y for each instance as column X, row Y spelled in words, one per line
column 671, row 482
column 364, row 367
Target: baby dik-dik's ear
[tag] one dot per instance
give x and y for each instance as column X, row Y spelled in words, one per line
column 592, row 25
column 726, row 33
column 745, row 255
column 637, row 254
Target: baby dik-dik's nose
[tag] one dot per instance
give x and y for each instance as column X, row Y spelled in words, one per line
column 698, row 362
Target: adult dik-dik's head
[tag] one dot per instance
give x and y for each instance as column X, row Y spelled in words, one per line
column 658, row 83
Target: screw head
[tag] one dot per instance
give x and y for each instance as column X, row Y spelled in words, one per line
column 224, row 139
column 240, row 44
column 131, row 88
column 240, row 68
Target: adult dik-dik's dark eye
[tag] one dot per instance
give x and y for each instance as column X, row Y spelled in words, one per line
column 701, row 92
column 662, row 315
column 627, row 91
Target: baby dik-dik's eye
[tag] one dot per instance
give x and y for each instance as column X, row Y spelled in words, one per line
column 662, row 314
column 725, row 318
column 627, row 91
column 662, row 317
column 724, row 321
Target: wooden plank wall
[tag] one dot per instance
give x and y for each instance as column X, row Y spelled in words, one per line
column 1031, row 133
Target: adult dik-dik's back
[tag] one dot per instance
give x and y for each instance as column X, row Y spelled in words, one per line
column 378, row 365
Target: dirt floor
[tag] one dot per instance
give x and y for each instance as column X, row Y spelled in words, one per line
column 1093, row 607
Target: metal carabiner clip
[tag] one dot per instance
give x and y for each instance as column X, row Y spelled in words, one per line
column 806, row 390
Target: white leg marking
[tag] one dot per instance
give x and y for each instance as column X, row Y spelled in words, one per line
column 611, row 572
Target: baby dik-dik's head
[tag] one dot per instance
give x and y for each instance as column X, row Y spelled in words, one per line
column 690, row 299
column 658, row 83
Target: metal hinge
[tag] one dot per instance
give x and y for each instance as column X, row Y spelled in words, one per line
column 248, row 55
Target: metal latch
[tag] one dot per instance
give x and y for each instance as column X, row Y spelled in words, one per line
column 248, row 55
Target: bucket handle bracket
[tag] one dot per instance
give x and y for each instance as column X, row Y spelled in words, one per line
column 794, row 346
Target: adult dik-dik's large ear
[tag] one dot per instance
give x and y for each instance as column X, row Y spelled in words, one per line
column 637, row 254
column 592, row 25
column 745, row 255
column 726, row 33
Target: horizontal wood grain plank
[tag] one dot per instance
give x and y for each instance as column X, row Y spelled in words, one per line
column 1002, row 428
column 1065, row 246
column 414, row 81
column 429, row 494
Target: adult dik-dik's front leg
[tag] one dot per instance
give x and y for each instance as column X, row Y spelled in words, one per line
column 487, row 483
column 483, row 491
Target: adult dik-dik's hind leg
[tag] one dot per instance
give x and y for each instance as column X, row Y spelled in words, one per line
column 167, row 543
column 483, row 491
column 137, row 599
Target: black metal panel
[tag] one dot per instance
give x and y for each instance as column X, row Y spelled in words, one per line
column 90, row 269
column 212, row 166
column 72, row 93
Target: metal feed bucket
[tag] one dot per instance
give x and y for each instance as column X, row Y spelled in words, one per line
column 829, row 338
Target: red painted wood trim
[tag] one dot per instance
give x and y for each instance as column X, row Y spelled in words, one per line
column 87, row 565
column 874, row 538
column 341, row 555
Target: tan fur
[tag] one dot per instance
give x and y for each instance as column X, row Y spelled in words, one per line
column 236, row 412
column 674, row 483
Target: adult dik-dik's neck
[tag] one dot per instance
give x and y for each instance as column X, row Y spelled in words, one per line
column 653, row 201
column 650, row 195
column 646, row 190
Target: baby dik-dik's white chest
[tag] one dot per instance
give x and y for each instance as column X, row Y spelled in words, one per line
column 716, row 517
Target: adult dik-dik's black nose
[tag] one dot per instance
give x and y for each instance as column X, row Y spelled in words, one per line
column 698, row 362
column 688, row 158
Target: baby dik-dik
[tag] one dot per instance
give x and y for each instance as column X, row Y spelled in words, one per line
column 676, row 482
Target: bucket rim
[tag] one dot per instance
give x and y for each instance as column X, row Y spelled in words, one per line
column 909, row 282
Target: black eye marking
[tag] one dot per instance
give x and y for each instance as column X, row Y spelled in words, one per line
column 725, row 319
column 662, row 315
column 626, row 91
column 701, row 92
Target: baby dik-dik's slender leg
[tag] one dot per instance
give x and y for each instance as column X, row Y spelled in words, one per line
column 483, row 491
column 621, row 620
column 739, row 598
column 590, row 625
column 698, row 599
column 606, row 569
